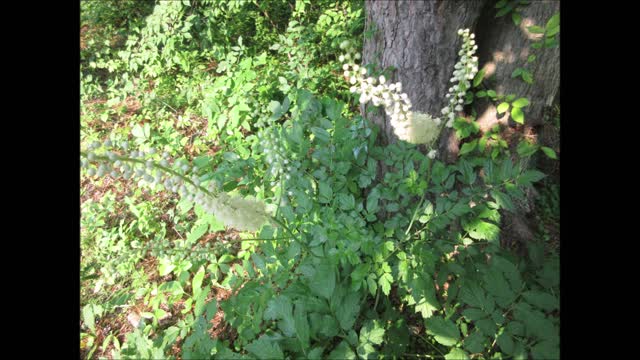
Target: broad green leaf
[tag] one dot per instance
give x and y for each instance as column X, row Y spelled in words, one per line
column 552, row 31
column 321, row 134
column 323, row 281
column 196, row 283
column 473, row 314
column 503, row 107
column 372, row 332
column 526, row 148
column 372, row 285
column 531, row 58
column 468, row 147
column 265, row 349
column 88, row 317
column 325, row 193
column 456, row 354
column 315, row 353
column 546, row 349
column 500, row 4
column 503, row 200
column 530, row 176
column 521, row 102
column 535, row 29
column 542, row 300
column 478, row 79
column 553, row 22
column 491, row 93
column 385, row 282
column 349, row 310
column 196, row 233
column 516, row 17
column 342, row 351
column 482, row 230
column 517, row 115
column 301, row 324
column 549, row 152
column 487, row 327
column 444, row 331
column 505, row 341
column 474, row 343
column 258, row 260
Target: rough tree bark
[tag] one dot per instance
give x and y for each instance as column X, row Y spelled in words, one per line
column 419, row 39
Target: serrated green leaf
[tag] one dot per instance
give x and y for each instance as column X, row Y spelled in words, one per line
column 487, row 327
column 323, row 281
column 517, row 115
column 503, row 107
column 444, row 331
column 456, row 354
column 342, row 351
column 521, row 102
column 482, row 230
column 321, row 134
column 505, row 341
column 301, row 324
column 473, row 314
column 542, row 300
column 546, row 349
column 530, row 176
column 468, row 147
column 265, row 349
column 348, row 310
column 372, row 284
column 372, row 332
column 503, row 200
column 385, row 282
column 326, row 193
column 196, row 233
column 474, row 343
column 196, row 283
column 531, row 58
column 315, row 353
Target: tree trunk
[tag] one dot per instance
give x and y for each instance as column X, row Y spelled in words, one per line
column 419, row 39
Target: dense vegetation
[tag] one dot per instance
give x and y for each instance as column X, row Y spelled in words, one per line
column 198, row 115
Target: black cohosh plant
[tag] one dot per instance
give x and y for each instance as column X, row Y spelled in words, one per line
column 329, row 277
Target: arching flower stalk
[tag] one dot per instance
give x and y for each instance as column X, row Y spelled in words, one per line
column 177, row 176
column 411, row 126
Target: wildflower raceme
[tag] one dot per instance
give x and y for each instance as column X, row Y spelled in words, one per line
column 412, row 126
column 176, row 176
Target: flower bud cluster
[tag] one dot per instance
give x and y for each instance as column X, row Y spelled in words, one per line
column 464, row 71
column 176, row 176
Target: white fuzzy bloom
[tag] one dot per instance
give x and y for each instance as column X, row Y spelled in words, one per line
column 345, row 67
column 432, row 154
column 341, row 58
column 382, row 79
column 458, row 108
column 420, row 128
